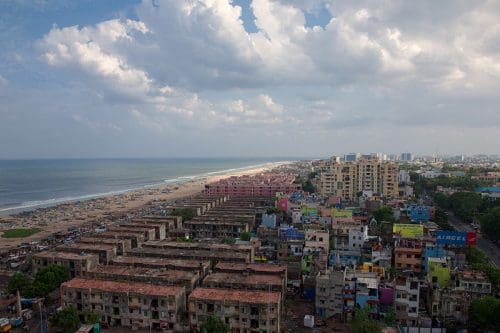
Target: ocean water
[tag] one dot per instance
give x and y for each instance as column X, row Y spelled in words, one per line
column 28, row 184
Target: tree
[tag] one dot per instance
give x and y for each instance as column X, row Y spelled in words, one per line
column 90, row 317
column 229, row 240
column 384, row 213
column 484, row 312
column 49, row 279
column 441, row 219
column 390, row 318
column 308, row 186
column 214, row 324
column 19, row 281
column 490, row 223
column 362, row 323
column 67, row 319
column 272, row 210
column 465, row 204
column 245, row 236
column 186, row 213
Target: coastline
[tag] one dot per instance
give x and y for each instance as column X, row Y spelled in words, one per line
column 78, row 212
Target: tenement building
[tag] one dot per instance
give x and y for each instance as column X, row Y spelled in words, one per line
column 130, row 304
column 247, row 311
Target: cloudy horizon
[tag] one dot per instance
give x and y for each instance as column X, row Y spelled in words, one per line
column 248, row 78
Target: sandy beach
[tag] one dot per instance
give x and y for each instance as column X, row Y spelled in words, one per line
column 104, row 209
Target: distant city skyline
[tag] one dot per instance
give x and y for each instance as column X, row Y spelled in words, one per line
column 246, row 78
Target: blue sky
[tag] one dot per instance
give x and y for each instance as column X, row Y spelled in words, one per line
column 162, row 78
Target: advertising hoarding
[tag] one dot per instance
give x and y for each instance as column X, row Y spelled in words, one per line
column 408, row 230
column 455, row 238
column 341, row 213
column 451, row 237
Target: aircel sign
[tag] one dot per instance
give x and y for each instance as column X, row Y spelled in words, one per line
column 455, row 238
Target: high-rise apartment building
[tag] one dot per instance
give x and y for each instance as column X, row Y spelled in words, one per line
column 407, row 157
column 367, row 174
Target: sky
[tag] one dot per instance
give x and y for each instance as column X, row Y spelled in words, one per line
column 183, row 78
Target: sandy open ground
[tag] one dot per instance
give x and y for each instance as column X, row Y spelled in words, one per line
column 60, row 217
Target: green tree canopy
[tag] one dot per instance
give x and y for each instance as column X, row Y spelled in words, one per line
column 49, row 279
column 362, row 323
column 245, row 236
column 308, row 186
column 67, row 319
column 46, row 280
column 186, row 213
column 90, row 317
column 19, row 281
column 272, row 210
column 490, row 223
column 484, row 312
column 214, row 324
column 384, row 213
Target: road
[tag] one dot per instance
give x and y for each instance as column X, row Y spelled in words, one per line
column 488, row 247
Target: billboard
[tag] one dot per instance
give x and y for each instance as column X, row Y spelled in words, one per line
column 455, row 238
column 341, row 213
column 408, row 230
column 451, row 237
column 283, row 204
column 471, row 238
column 309, row 211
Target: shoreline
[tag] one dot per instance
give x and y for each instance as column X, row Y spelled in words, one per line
column 31, row 206
column 58, row 217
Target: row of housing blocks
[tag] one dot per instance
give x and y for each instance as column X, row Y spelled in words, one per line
column 161, row 272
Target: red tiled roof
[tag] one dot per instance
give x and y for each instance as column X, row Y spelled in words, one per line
column 251, row 279
column 123, row 287
column 243, row 296
column 254, row 267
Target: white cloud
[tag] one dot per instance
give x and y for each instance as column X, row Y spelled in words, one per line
column 192, row 65
column 3, row 82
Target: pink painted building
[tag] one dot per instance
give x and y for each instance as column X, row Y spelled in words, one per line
column 265, row 185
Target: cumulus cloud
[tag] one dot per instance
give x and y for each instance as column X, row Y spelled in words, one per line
column 192, row 64
column 3, row 82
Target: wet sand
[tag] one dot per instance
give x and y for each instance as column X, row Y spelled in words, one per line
column 58, row 218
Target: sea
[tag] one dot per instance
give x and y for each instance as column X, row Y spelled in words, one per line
column 29, row 184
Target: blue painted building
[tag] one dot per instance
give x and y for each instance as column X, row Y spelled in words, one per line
column 343, row 258
column 418, row 213
column 432, row 251
column 269, row 221
column 289, row 233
